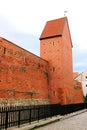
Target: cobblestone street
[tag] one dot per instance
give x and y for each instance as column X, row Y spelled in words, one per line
column 78, row 122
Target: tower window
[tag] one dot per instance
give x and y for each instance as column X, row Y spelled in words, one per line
column 53, row 69
column 52, row 43
column 86, row 85
column 4, row 50
column 54, row 93
column 38, row 65
column 86, row 77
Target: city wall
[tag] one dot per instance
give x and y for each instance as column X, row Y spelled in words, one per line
column 23, row 76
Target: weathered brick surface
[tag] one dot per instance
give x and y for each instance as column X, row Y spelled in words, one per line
column 28, row 79
column 57, row 50
column 22, row 101
column 52, row 53
column 22, row 74
column 78, row 93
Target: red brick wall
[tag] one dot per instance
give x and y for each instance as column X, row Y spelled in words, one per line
column 22, row 72
column 67, row 65
column 58, row 52
column 50, row 49
column 78, row 93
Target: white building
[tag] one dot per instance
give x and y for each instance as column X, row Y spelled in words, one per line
column 83, row 79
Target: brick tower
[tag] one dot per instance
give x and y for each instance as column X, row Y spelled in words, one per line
column 56, row 48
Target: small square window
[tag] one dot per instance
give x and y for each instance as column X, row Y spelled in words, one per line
column 52, row 43
column 86, row 77
column 86, row 85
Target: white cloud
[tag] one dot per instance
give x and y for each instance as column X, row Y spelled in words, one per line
column 25, row 40
column 31, row 15
column 79, row 59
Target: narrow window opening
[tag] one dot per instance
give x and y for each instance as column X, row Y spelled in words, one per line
column 4, row 50
column 38, row 65
column 53, row 69
column 54, row 93
column 53, row 43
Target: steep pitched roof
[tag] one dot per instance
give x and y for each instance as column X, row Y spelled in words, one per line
column 53, row 28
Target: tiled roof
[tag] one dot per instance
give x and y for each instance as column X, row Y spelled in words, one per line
column 53, row 28
column 75, row 74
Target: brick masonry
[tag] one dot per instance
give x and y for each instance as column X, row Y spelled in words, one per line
column 23, row 75
column 56, row 48
column 27, row 79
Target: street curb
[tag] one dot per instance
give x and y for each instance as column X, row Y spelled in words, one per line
column 36, row 124
column 43, row 122
column 74, row 114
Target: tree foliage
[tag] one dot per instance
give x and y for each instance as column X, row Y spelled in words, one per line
column 85, row 99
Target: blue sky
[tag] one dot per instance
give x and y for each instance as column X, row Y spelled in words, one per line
column 22, row 21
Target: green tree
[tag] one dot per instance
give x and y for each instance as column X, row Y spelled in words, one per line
column 85, row 99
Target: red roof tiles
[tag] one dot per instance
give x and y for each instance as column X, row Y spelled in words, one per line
column 53, row 28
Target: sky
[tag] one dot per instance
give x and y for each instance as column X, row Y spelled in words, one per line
column 22, row 22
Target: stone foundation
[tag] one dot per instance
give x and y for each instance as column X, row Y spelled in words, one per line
column 22, row 102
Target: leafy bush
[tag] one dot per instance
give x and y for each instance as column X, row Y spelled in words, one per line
column 85, row 99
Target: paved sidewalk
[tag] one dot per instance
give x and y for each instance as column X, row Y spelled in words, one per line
column 47, row 121
column 78, row 122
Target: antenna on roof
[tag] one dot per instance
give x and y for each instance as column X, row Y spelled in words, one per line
column 65, row 12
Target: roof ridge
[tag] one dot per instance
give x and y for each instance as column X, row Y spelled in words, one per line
column 53, row 28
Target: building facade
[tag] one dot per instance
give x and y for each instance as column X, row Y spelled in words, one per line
column 26, row 79
column 23, row 76
column 56, row 48
column 82, row 77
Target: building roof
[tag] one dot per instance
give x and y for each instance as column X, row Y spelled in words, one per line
column 53, row 28
column 75, row 74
